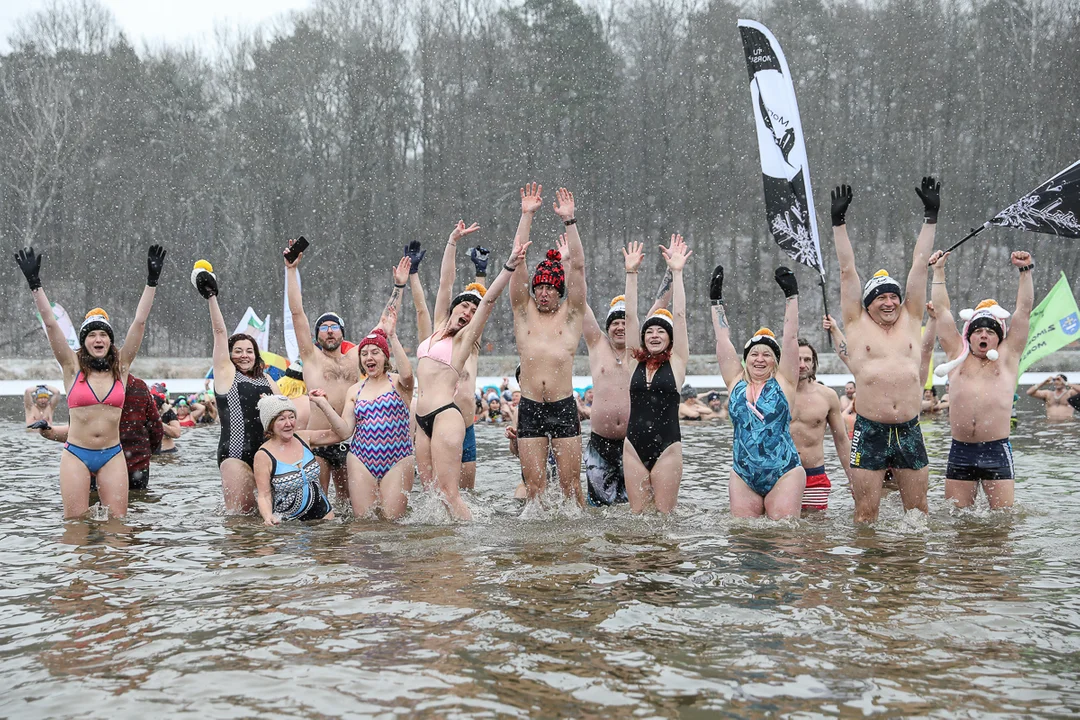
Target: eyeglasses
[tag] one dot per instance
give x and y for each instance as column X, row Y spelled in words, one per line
column 328, row 327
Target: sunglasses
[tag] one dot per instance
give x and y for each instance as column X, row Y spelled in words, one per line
column 328, row 327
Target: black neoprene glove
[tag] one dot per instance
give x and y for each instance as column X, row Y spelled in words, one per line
column 716, row 286
column 479, row 256
column 787, row 281
column 155, row 260
column 841, row 198
column 415, row 254
column 30, row 264
column 206, row 284
column 930, row 194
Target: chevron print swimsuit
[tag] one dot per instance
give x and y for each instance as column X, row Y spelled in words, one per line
column 381, row 439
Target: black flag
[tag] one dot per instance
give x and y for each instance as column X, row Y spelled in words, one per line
column 1053, row 207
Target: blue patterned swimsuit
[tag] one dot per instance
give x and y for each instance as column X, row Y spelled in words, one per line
column 763, row 447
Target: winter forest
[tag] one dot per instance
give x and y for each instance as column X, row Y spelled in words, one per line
column 364, row 124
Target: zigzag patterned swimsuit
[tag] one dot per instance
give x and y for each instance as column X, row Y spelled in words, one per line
column 381, row 439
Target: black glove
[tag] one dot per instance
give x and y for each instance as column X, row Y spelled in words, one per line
column 479, row 257
column 930, row 194
column 155, row 260
column 716, row 286
column 39, row 424
column 787, row 281
column 30, row 264
column 841, row 198
column 415, row 255
column 205, row 282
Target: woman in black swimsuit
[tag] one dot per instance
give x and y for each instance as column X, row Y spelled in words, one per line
column 652, row 453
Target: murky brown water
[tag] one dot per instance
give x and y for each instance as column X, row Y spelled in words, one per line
column 182, row 612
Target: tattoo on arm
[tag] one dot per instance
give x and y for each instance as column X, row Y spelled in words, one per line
column 665, row 285
column 842, row 350
column 394, row 297
column 721, row 316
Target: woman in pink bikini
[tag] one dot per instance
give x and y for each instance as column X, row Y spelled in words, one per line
column 95, row 376
column 440, row 360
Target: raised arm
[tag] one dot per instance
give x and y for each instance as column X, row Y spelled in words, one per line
column 940, row 307
column 839, row 431
column 851, row 306
column 301, row 328
column 224, row 370
column 1025, row 300
column 475, row 328
column 915, row 299
column 1037, row 391
column 30, row 264
column 530, row 203
column 423, row 315
column 731, row 368
column 663, row 293
column 388, row 322
column 633, row 255
column 575, row 259
column 448, row 271
column 788, row 367
column 926, row 349
column 675, row 256
column 837, row 335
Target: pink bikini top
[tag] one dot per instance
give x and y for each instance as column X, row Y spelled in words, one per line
column 442, row 351
column 82, row 395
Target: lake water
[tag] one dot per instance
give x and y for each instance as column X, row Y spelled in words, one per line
column 180, row 611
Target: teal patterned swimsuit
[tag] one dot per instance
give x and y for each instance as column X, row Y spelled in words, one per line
column 763, row 447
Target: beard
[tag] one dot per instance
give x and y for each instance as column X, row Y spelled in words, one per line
column 330, row 345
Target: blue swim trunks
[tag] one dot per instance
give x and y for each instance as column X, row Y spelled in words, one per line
column 468, row 448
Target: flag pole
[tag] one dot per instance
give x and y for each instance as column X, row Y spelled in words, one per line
column 825, row 302
column 973, row 233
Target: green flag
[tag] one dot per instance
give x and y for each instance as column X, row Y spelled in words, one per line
column 1054, row 324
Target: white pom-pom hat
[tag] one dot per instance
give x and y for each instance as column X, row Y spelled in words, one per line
column 993, row 316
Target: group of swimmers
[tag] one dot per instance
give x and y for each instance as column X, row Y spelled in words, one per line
column 377, row 419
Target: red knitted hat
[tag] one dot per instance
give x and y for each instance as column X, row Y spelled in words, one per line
column 550, row 272
column 376, row 337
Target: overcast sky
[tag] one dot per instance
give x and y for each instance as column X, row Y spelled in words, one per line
column 163, row 21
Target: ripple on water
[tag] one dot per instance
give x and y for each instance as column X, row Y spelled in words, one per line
column 549, row 612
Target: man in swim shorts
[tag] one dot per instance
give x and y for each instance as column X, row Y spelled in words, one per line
column 328, row 367
column 548, row 330
column 816, row 407
column 883, row 325
column 40, row 403
column 984, row 361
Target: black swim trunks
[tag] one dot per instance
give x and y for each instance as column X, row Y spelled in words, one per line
column 980, row 461
column 558, row 419
column 877, row 446
column 335, row 454
column 604, row 470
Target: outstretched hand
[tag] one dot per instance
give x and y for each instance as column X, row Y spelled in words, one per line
column 517, row 255
column 633, row 254
column 155, row 261
column 461, row 231
column 931, row 311
column 841, row 199
column 930, row 194
column 716, row 286
column 30, row 264
column 564, row 204
column 676, row 254
column 388, row 321
column 530, row 198
column 787, row 281
column 563, row 246
column 402, row 271
column 415, row 253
